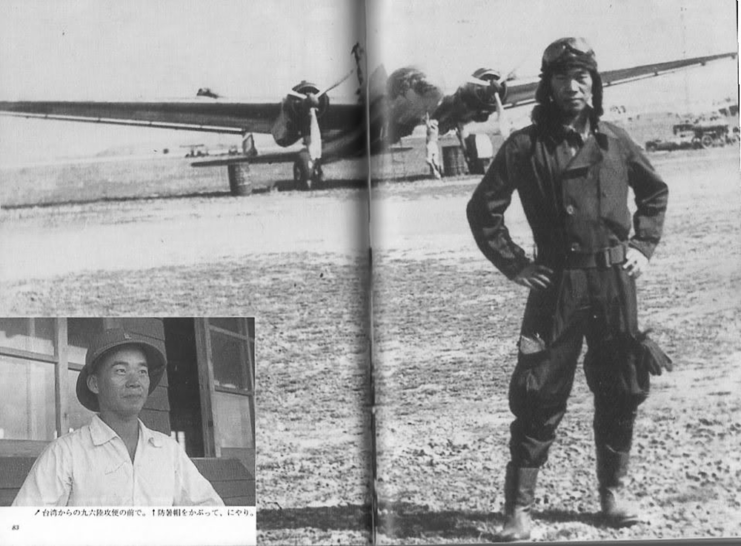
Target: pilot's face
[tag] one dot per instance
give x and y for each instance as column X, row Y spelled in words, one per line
column 572, row 90
column 121, row 381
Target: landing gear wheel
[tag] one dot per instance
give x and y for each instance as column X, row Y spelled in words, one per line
column 307, row 174
column 706, row 141
column 301, row 175
column 317, row 177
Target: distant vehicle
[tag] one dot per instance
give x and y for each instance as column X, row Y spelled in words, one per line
column 695, row 135
column 712, row 132
column 196, row 150
column 682, row 141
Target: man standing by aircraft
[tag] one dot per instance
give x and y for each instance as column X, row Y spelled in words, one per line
column 572, row 172
column 432, row 150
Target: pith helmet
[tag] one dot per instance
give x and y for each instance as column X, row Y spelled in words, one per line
column 115, row 338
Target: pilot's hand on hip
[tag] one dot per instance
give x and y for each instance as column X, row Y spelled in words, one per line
column 535, row 277
column 635, row 262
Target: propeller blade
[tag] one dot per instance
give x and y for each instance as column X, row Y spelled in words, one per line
column 294, row 94
column 512, row 74
column 478, row 81
column 335, row 84
column 314, row 144
column 500, row 117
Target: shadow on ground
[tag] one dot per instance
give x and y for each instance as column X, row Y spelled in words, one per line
column 281, row 185
column 404, row 520
column 401, row 178
column 350, row 517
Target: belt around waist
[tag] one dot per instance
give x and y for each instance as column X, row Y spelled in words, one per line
column 602, row 259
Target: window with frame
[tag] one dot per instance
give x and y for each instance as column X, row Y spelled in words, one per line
column 39, row 365
column 232, row 357
column 28, row 364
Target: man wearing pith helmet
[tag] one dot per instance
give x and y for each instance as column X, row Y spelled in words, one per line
column 572, row 172
column 116, row 460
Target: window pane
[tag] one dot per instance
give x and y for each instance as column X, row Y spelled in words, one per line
column 232, row 412
column 231, row 324
column 35, row 335
column 80, row 332
column 27, row 394
column 79, row 415
column 230, row 361
column 251, row 328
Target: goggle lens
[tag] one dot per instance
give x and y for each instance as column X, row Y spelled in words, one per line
column 559, row 48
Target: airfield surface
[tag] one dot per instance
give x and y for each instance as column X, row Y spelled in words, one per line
column 445, row 325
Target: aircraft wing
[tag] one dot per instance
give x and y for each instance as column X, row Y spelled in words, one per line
column 261, row 158
column 208, row 115
column 476, row 99
column 523, row 94
column 288, row 156
column 406, row 99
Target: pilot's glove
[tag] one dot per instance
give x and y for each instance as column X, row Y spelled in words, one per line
column 650, row 356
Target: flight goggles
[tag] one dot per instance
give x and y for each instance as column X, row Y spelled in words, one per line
column 566, row 51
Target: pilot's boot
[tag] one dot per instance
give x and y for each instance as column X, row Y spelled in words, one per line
column 519, row 493
column 612, row 468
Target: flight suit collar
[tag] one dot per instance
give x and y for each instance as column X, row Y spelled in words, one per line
column 589, row 154
column 556, row 133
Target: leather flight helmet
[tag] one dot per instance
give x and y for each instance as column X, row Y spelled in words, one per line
column 559, row 57
column 566, row 53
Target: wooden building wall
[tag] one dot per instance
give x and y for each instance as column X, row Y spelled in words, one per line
column 156, row 412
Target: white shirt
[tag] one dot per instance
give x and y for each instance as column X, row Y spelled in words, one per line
column 91, row 467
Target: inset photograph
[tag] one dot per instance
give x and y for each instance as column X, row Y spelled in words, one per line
column 127, row 411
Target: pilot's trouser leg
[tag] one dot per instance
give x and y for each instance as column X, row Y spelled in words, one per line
column 618, row 387
column 539, row 390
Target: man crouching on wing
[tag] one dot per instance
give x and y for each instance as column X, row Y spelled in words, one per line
column 572, row 172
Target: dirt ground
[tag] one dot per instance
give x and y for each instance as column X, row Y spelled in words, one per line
column 444, row 327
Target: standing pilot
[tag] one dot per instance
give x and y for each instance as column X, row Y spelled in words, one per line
column 572, row 172
column 116, row 460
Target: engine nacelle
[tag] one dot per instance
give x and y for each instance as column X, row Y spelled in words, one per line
column 294, row 121
column 409, row 96
column 473, row 101
column 480, row 98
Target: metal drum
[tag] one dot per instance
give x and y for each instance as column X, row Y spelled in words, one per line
column 239, row 178
column 454, row 164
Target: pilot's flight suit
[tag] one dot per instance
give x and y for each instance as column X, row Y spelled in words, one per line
column 578, row 211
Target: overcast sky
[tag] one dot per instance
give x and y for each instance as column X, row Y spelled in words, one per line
column 99, row 49
column 456, row 36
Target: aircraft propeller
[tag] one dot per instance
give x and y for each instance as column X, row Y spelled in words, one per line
column 311, row 102
column 494, row 88
column 299, row 118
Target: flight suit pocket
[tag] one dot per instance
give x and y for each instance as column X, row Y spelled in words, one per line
column 532, row 355
column 613, row 196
